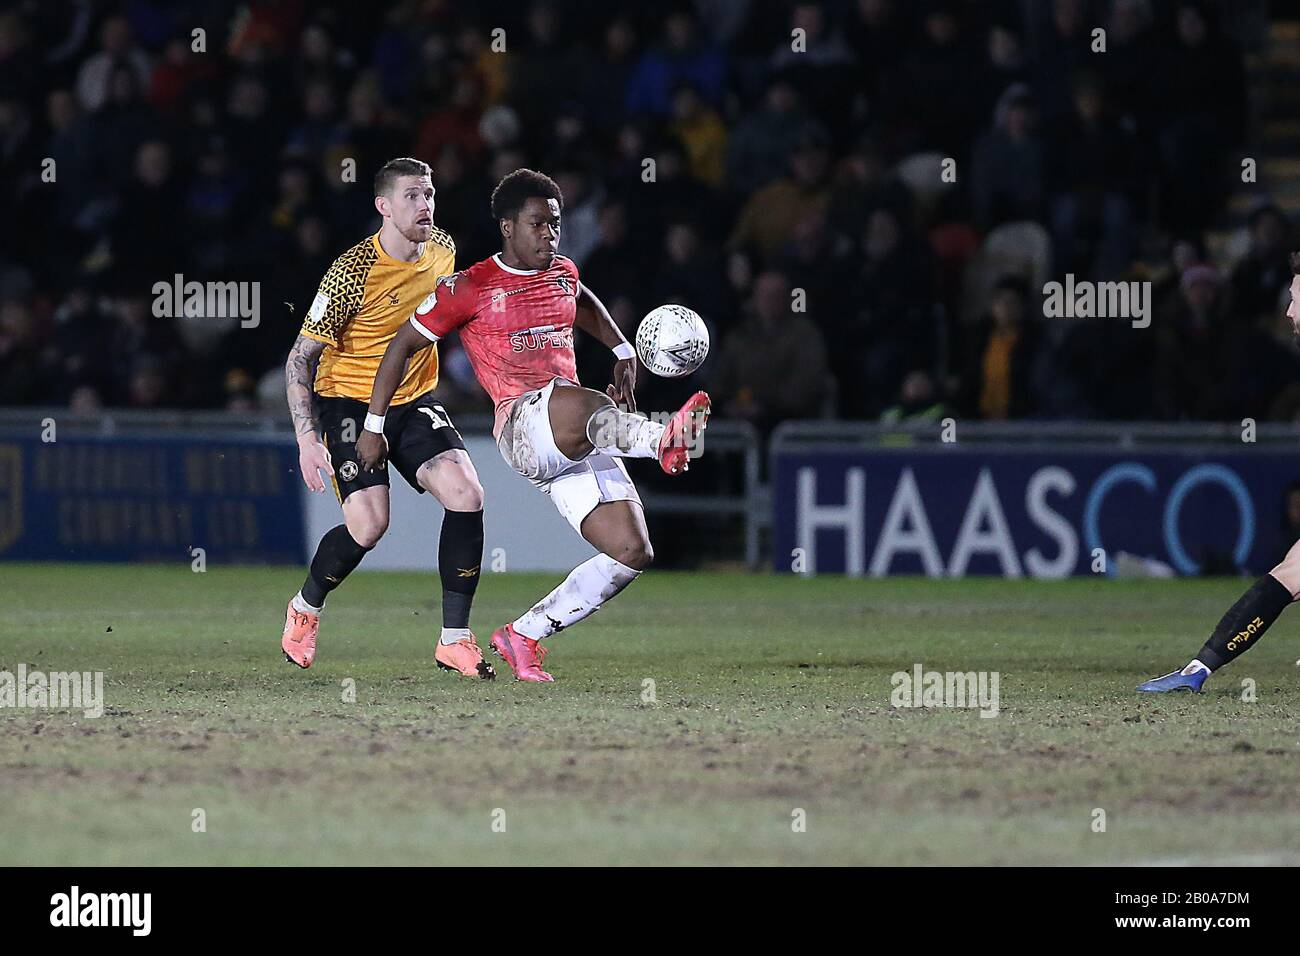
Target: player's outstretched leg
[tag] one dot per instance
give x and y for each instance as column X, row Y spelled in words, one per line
column 618, row 529
column 450, row 477
column 340, row 550
column 584, row 420
column 1240, row 628
column 682, row 433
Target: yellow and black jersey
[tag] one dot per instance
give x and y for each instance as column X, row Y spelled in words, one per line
column 364, row 298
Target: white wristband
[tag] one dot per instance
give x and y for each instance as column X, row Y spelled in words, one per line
column 624, row 350
column 374, row 423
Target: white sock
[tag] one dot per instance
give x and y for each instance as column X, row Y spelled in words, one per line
column 301, row 606
column 587, row 587
column 624, row 434
column 1193, row 667
column 450, row 635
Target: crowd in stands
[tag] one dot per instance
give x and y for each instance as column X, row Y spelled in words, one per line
column 863, row 198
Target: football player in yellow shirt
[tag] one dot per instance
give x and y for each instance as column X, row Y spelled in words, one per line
column 368, row 293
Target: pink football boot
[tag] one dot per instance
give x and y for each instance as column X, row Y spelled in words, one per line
column 523, row 654
column 681, row 432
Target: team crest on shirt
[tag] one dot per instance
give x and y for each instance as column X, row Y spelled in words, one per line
column 449, row 282
column 564, row 283
column 431, row 299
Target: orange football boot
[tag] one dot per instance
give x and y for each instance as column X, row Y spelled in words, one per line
column 299, row 639
column 464, row 657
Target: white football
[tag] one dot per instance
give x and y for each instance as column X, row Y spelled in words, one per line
column 672, row 341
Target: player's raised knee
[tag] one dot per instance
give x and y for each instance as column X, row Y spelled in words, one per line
column 637, row 555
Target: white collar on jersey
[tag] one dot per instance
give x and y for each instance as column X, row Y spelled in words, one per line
column 496, row 257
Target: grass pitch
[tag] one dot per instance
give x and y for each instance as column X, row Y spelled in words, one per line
column 772, row 695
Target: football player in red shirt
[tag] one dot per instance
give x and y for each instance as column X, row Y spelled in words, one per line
column 516, row 313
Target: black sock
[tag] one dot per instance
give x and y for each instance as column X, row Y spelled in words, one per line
column 460, row 555
column 1245, row 622
column 337, row 556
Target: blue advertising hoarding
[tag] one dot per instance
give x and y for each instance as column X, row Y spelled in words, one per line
column 948, row 511
column 149, row 499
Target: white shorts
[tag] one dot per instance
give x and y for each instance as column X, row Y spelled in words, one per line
column 528, row 446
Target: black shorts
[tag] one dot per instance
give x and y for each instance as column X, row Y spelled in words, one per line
column 416, row 431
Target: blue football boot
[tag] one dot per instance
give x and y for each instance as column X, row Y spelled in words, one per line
column 1175, row 681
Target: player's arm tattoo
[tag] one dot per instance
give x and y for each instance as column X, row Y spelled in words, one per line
column 298, row 372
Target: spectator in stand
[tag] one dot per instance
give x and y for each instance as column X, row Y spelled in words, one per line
column 146, row 244
column 1092, row 165
column 1265, row 271
column 1193, row 340
column 772, row 213
column 118, row 50
column 684, row 57
column 1061, row 47
column 610, row 75
column 918, row 401
column 878, row 33
column 817, row 60
column 689, row 272
column 615, row 262
column 888, row 325
column 29, row 371
column 760, row 146
column 549, row 69
column 788, row 376
column 1008, row 64
column 122, row 123
column 702, row 133
column 1009, row 174
column 933, row 106
column 1001, row 353
column 1202, row 100
column 821, row 258
column 863, row 183
column 1130, row 50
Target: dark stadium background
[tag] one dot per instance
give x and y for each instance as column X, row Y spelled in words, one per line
column 813, row 171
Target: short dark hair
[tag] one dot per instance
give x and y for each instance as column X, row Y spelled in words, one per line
column 392, row 170
column 518, row 187
column 1295, row 263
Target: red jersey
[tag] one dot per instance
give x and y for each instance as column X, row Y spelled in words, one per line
column 516, row 325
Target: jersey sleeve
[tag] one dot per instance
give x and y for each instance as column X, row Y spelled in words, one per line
column 449, row 306
column 338, row 299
